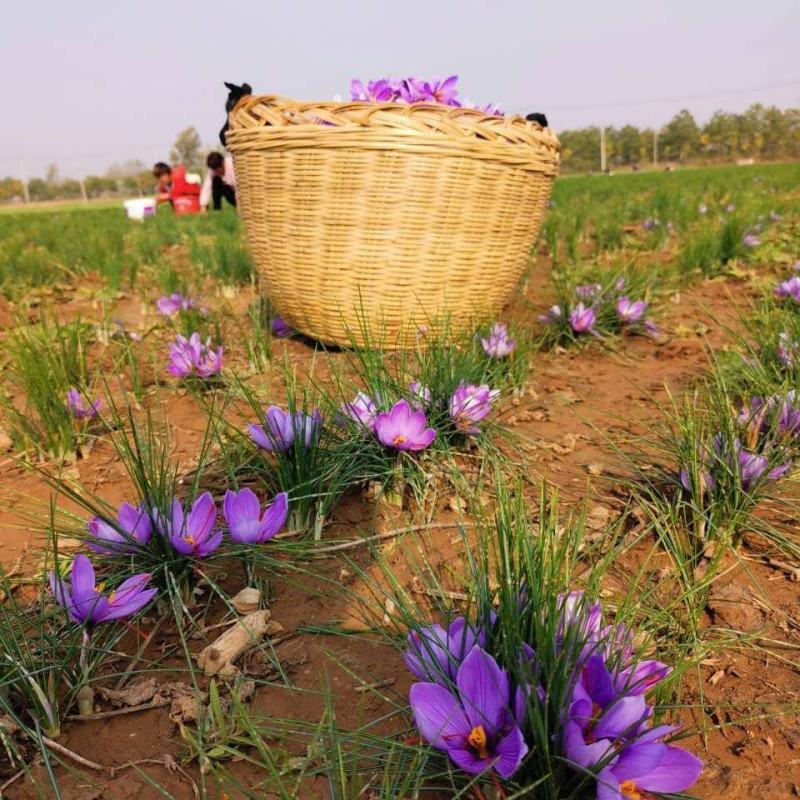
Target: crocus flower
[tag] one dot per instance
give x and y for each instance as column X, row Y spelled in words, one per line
column 361, row 410
column 470, row 404
column 789, row 288
column 702, row 208
column 444, row 91
column 494, row 110
column 435, row 654
column 753, row 467
column 86, row 605
column 246, row 523
column 77, row 406
column 630, row 311
column 133, row 530
column 599, row 715
column 169, row 306
column 420, row 395
column 279, row 328
column 582, row 319
column 472, row 723
column 403, row 428
column 554, row 314
column 498, row 344
column 646, row 769
column 651, row 223
column 579, row 624
column 588, row 291
column 193, row 358
column 193, row 534
column 730, row 208
column 751, row 240
column 283, row 428
column 774, row 216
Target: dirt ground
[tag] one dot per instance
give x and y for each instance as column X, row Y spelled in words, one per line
column 578, row 403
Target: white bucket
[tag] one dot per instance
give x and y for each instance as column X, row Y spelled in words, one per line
column 140, row 207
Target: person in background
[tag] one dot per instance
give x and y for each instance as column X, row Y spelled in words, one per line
column 173, row 188
column 219, row 182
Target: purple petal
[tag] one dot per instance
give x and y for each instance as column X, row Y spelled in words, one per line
column 676, row 771
column 202, row 517
column 438, row 715
column 483, row 688
column 274, row 517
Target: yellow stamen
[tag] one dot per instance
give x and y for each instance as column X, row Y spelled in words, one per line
column 399, row 439
column 111, row 597
column 630, row 790
column 477, row 741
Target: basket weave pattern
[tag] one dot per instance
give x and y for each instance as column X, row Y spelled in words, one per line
column 387, row 215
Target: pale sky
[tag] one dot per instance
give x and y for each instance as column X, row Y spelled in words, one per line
column 89, row 82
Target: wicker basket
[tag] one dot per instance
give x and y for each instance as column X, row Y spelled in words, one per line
column 377, row 219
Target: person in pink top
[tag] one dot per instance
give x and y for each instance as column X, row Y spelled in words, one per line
column 219, row 182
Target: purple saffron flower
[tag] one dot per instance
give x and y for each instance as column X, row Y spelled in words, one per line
column 498, row 344
column 751, row 240
column 403, row 428
column 87, row 606
column 444, row 91
column 702, row 208
column 193, row 358
column 472, row 723
column 579, row 623
column 789, row 288
column 730, row 208
column 588, row 291
column 554, row 314
column 753, row 467
column 361, row 410
column 470, row 404
column 646, row 769
column 133, row 530
column 650, row 223
column 774, row 216
column 493, row 110
column 279, row 328
column 420, row 395
column 193, row 534
column 435, row 654
column 172, row 304
column 582, row 319
column 76, row 405
column 246, row 523
column 599, row 715
column 283, row 428
column 630, row 311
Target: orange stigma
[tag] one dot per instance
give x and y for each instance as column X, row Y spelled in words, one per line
column 629, row 790
column 477, row 741
column 399, row 439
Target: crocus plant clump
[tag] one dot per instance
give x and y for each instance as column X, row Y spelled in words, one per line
column 193, row 358
column 597, row 308
column 478, row 711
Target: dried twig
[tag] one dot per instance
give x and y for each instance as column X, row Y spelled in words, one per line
column 65, row 751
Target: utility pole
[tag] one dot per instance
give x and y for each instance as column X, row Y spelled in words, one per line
column 23, row 173
column 602, row 149
column 655, row 149
column 83, row 191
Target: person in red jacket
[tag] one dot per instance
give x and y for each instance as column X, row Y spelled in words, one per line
column 173, row 188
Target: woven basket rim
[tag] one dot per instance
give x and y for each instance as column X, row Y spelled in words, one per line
column 259, row 111
column 273, row 122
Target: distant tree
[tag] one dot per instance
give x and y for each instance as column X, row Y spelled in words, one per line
column 680, row 137
column 188, row 149
column 11, row 189
column 39, row 189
